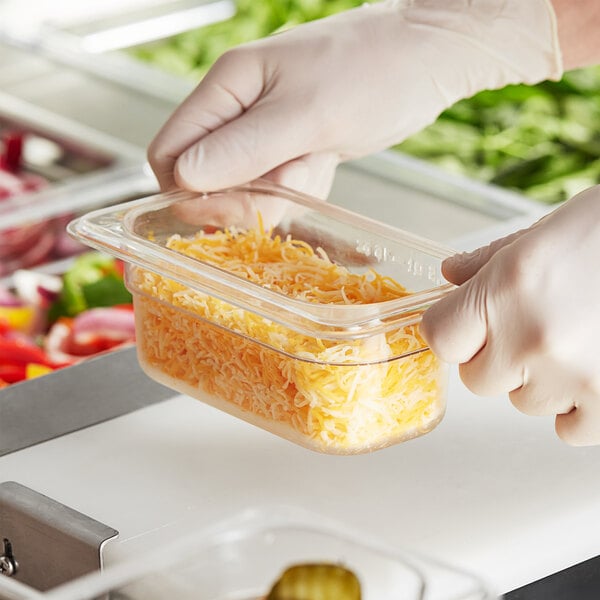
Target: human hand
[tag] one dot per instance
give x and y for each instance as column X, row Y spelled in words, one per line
column 292, row 106
column 526, row 317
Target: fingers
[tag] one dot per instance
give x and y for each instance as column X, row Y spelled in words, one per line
column 493, row 370
column 461, row 267
column 514, row 328
column 243, row 149
column 232, row 208
column 312, row 174
column 456, row 326
column 581, row 426
column 234, row 83
column 537, row 399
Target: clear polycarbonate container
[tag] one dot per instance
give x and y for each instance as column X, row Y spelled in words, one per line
column 291, row 313
column 244, row 556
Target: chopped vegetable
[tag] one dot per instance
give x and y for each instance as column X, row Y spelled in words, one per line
column 316, row 582
column 34, row 370
column 26, row 246
column 94, row 331
column 543, row 140
column 36, row 288
column 94, row 280
column 33, row 243
column 20, row 318
column 21, row 358
column 34, row 341
column 13, row 151
column 19, row 351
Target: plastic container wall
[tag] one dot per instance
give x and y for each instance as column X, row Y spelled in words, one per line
column 291, row 313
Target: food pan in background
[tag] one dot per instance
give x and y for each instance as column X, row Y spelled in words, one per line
column 62, row 314
column 50, row 170
column 100, row 26
column 277, row 553
column 291, row 313
column 76, row 46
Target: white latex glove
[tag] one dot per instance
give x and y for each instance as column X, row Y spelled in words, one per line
column 295, row 104
column 526, row 318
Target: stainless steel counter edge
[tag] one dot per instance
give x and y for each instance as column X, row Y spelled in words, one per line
column 73, row 398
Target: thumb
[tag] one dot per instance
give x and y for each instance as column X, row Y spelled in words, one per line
column 461, row 267
column 455, row 327
column 312, row 174
column 581, row 426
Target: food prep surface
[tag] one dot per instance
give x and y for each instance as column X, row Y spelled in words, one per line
column 520, row 506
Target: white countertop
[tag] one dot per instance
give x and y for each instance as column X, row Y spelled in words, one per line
column 489, row 490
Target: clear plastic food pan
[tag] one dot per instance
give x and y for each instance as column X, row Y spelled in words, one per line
column 286, row 311
column 270, row 553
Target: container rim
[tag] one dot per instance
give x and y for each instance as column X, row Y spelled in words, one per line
column 110, row 230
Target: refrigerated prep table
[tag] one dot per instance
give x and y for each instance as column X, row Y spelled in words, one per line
column 489, row 490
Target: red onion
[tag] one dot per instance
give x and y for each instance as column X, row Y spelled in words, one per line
column 56, row 343
column 41, row 250
column 13, row 150
column 8, row 299
column 37, row 288
column 111, row 323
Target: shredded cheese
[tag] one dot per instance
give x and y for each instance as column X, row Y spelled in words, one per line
column 390, row 388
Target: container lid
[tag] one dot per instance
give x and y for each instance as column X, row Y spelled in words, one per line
column 138, row 233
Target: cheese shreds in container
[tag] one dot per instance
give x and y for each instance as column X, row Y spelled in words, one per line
column 291, row 313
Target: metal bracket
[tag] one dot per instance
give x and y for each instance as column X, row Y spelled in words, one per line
column 45, row 542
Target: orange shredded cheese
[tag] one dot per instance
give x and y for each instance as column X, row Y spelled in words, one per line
column 271, row 375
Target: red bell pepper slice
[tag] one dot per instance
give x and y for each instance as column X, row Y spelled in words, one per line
column 16, row 351
column 11, row 373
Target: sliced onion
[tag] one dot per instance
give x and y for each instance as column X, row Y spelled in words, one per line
column 111, row 323
column 36, row 287
column 57, row 341
column 8, row 299
column 40, row 251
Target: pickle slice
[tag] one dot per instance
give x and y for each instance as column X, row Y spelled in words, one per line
column 316, row 582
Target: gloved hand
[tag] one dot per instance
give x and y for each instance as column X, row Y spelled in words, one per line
column 295, row 104
column 526, row 318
